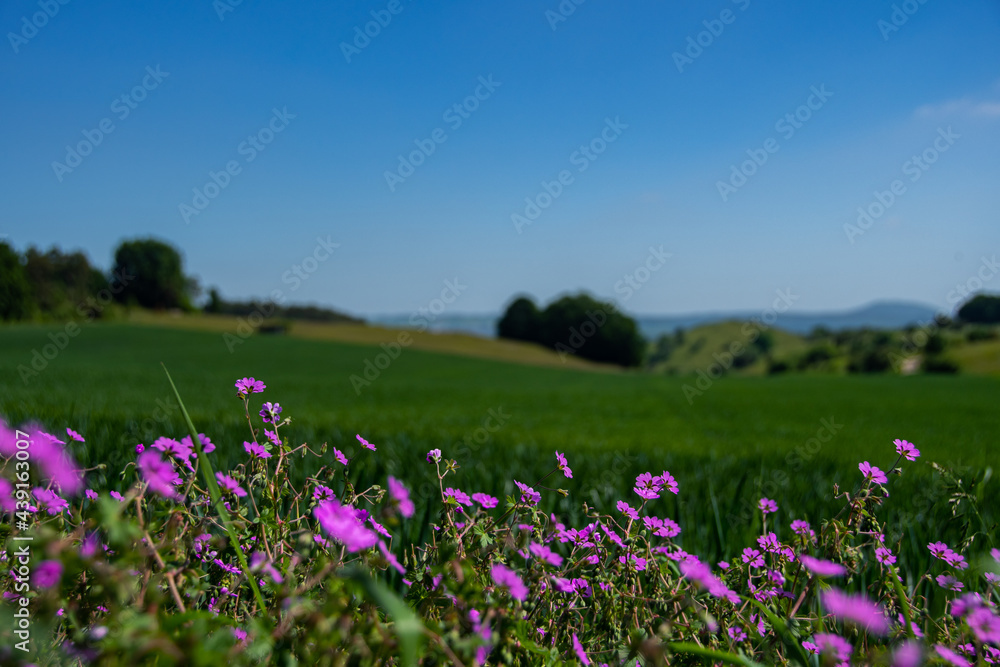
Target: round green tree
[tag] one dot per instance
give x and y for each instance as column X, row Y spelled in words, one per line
column 150, row 274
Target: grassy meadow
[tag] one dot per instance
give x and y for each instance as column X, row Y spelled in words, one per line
column 504, row 417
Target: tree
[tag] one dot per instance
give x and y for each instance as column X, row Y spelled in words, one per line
column 15, row 292
column 150, row 275
column 521, row 321
column 61, row 282
column 980, row 309
column 593, row 330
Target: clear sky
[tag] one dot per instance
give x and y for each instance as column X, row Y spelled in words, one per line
column 310, row 115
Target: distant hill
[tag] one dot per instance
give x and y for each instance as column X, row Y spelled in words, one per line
column 876, row 315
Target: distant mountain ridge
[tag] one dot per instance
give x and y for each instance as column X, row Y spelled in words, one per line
column 876, row 315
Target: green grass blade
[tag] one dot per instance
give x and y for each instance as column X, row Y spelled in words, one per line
column 903, row 602
column 728, row 658
column 782, row 629
column 406, row 623
column 213, row 490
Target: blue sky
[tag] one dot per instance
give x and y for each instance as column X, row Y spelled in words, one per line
column 889, row 92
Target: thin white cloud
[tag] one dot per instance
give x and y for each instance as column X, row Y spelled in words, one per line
column 964, row 107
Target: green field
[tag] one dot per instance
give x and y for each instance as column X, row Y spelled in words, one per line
column 108, row 381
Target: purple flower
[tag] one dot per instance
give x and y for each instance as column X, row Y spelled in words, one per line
column 701, row 575
column 7, row 501
column 906, row 449
column 662, row 527
column 627, row 510
column 460, row 497
column 339, row 455
column 646, row 486
column 74, row 435
column 857, row 609
column 985, row 624
column 949, row 582
column 174, row 448
column 323, row 493
column 944, row 552
column 545, row 553
column 753, row 557
column 938, row 549
column 637, row 563
column 140, row 448
column 240, row 635
column 47, row 573
column 255, row 450
column 528, row 494
column 884, row 556
column 206, row 444
column 248, row 386
column 578, row 648
column 401, row 495
column 563, row 465
column 823, row 568
column 158, row 473
column 270, row 412
column 767, row 506
column 50, row 500
column 273, row 437
column 834, row 645
column 951, row 657
column 907, row 655
column 667, row 480
column 487, row 501
column 56, row 463
column 434, row 456
column 343, row 524
column 365, row 443
column 503, row 576
column 229, row 484
column 803, row 528
column 117, row 496
column 872, row 474
column 737, row 634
